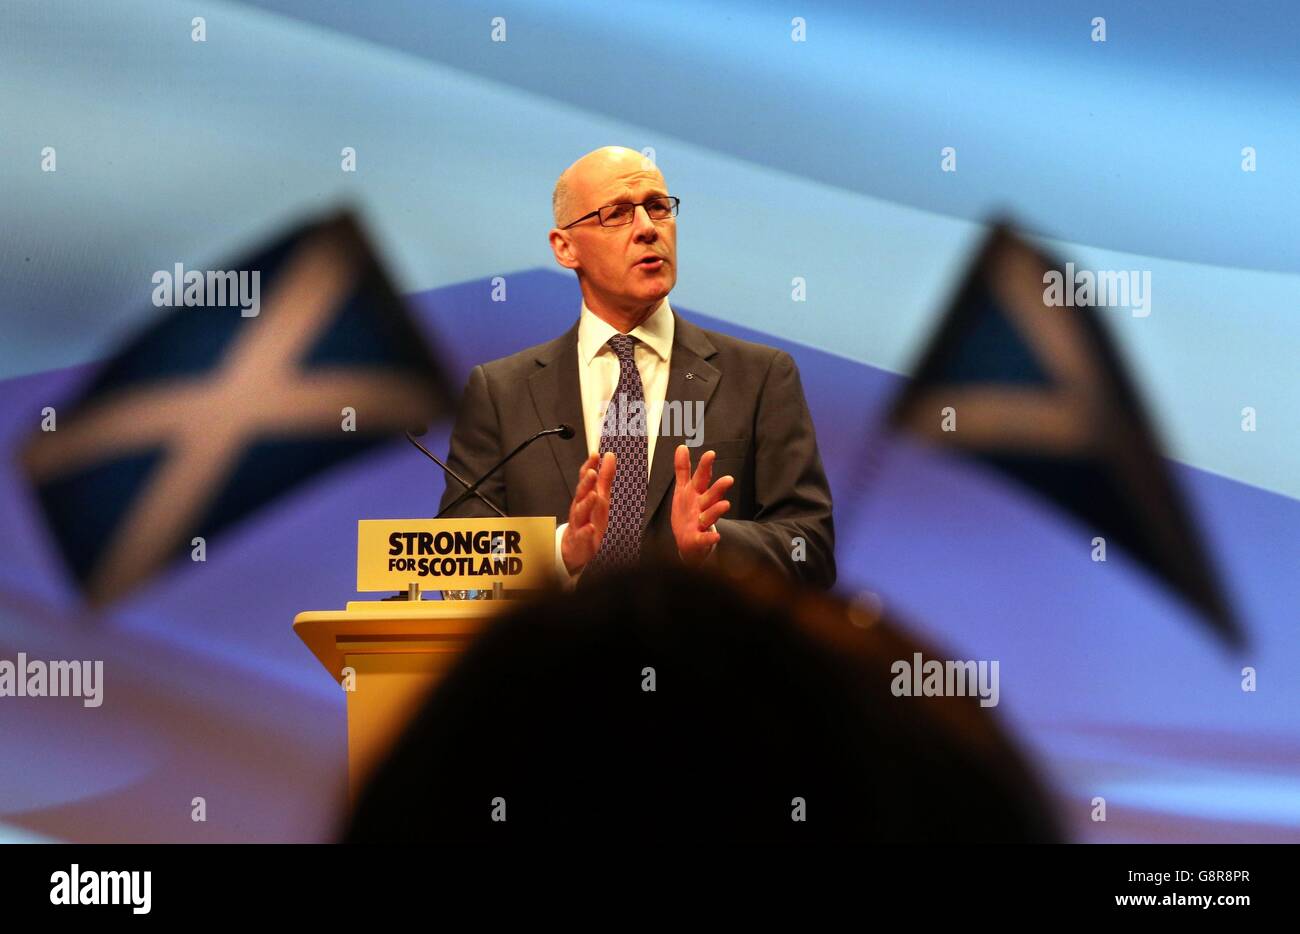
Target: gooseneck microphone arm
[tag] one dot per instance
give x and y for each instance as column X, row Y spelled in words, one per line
column 564, row 431
column 455, row 476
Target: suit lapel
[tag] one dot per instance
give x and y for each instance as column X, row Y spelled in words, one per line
column 691, row 379
column 557, row 397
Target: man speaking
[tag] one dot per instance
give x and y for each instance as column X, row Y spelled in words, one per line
column 645, row 390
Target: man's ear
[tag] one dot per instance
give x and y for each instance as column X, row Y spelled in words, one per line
column 563, row 248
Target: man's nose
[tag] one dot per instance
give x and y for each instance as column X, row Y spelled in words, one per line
column 644, row 229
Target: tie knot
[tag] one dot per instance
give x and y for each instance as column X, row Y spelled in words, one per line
column 623, row 345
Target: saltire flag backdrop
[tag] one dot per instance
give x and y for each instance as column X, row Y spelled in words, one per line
column 221, row 405
column 1016, row 379
column 836, row 181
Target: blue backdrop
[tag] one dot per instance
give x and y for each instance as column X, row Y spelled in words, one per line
column 817, row 159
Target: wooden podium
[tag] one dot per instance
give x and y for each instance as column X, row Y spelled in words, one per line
column 387, row 655
column 395, row 651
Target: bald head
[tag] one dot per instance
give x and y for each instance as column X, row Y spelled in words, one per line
column 625, row 269
column 576, row 184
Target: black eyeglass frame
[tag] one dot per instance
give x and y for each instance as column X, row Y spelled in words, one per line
column 675, row 201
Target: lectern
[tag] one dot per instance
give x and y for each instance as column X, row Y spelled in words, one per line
column 386, row 655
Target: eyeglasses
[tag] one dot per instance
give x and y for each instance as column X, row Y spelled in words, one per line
column 617, row 215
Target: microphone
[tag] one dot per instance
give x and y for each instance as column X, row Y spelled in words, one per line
column 563, row 431
column 411, row 435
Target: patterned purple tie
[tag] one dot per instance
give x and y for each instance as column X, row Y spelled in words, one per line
column 624, row 434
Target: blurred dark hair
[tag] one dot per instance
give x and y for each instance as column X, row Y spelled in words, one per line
column 763, row 694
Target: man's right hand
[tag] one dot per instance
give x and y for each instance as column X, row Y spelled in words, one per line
column 588, row 513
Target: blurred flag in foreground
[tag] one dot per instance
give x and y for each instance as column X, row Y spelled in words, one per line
column 1039, row 392
column 268, row 372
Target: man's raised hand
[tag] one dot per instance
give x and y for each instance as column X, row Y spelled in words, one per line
column 589, row 512
column 697, row 505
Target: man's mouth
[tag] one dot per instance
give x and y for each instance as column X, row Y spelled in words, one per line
column 650, row 262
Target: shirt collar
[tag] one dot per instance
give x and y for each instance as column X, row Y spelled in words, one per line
column 656, row 332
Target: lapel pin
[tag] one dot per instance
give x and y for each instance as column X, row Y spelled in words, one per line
column 690, row 376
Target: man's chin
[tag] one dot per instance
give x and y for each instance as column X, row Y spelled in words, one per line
column 656, row 294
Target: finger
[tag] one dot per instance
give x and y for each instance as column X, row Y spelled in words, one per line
column 582, row 510
column 682, row 464
column 716, row 492
column 608, row 464
column 704, row 472
column 713, row 514
column 588, row 464
column 599, row 517
column 586, row 483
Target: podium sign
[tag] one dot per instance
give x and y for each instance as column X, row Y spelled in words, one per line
column 455, row 554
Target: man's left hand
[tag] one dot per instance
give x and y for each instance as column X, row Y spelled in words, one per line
column 697, row 505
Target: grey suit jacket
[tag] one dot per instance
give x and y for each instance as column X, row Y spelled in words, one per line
column 755, row 418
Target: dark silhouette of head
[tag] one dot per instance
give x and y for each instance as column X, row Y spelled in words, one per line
column 769, row 703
